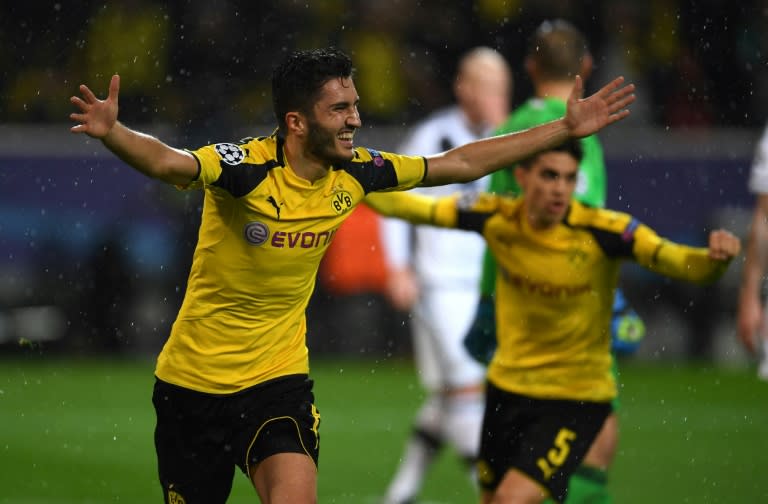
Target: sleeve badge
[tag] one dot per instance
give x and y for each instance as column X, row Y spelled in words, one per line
column 230, row 153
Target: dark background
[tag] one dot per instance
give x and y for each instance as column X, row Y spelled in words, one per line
column 94, row 257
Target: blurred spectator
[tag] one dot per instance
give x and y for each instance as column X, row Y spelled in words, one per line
column 179, row 56
column 376, row 43
column 38, row 43
column 131, row 38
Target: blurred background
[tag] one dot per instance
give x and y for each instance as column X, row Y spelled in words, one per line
column 94, row 257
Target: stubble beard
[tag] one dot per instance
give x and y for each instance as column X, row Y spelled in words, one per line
column 321, row 144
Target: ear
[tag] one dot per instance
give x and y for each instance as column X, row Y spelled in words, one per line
column 296, row 123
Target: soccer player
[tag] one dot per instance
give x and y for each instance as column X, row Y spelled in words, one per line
column 435, row 273
column 233, row 386
column 558, row 52
column 752, row 328
column 549, row 383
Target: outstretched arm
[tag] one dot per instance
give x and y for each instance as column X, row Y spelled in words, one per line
column 414, row 208
column 750, row 307
column 98, row 119
column 583, row 117
column 697, row 265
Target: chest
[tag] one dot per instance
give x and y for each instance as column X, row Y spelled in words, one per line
column 568, row 257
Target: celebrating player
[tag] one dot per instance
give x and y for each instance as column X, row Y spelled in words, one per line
column 550, row 384
column 557, row 52
column 233, row 386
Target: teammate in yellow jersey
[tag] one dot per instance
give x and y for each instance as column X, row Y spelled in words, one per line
column 233, row 387
column 549, row 383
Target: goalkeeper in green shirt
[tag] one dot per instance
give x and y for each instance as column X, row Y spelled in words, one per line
column 557, row 53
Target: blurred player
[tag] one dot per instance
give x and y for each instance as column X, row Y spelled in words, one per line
column 550, row 384
column 436, row 273
column 233, row 386
column 557, row 53
column 752, row 327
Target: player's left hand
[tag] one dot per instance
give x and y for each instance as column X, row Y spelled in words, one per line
column 586, row 116
column 723, row 245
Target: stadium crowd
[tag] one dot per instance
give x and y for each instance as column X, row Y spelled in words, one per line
column 698, row 63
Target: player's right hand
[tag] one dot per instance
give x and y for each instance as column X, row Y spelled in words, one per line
column 96, row 117
column 723, row 245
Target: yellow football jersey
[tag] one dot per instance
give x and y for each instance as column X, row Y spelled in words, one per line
column 262, row 235
column 554, row 288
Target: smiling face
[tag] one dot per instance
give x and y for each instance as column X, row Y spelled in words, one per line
column 332, row 123
column 548, row 182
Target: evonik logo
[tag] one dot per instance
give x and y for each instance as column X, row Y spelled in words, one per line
column 301, row 239
column 545, row 289
column 258, row 233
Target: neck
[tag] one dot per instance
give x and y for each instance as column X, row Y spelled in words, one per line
column 536, row 223
column 554, row 89
column 302, row 163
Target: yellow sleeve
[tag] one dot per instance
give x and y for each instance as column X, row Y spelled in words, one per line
column 415, row 208
column 208, row 165
column 675, row 260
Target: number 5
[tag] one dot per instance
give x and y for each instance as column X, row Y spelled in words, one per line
column 556, row 456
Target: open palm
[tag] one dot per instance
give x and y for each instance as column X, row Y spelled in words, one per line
column 96, row 117
column 586, row 116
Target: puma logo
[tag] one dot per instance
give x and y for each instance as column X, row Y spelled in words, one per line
column 272, row 201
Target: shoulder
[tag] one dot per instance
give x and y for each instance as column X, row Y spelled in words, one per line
column 440, row 131
column 604, row 219
column 440, row 119
column 377, row 170
column 239, row 166
column 242, row 151
column 615, row 232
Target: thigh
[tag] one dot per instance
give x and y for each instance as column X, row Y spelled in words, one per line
column 193, row 463
column 443, row 317
column 277, row 417
column 544, row 440
column 285, row 477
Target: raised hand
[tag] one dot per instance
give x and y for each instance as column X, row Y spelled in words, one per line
column 586, row 116
column 96, row 117
column 723, row 245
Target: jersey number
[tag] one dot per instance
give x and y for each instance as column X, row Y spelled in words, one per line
column 556, row 456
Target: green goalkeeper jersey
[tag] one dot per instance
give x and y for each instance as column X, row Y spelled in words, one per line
column 590, row 188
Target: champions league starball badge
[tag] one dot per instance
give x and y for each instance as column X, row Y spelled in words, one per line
column 230, row 153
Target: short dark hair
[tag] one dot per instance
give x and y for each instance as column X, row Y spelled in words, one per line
column 297, row 81
column 558, row 48
column 571, row 146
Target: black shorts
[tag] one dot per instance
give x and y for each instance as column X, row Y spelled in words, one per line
column 544, row 439
column 200, row 437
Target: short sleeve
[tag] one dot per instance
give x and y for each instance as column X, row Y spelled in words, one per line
column 209, row 159
column 410, row 170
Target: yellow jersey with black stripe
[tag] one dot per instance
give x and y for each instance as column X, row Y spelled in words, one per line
column 554, row 288
column 262, row 235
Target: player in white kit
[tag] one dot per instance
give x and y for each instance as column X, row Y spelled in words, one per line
column 435, row 273
column 753, row 313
